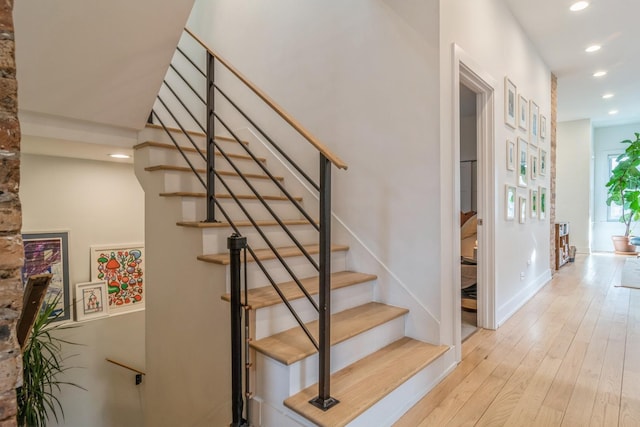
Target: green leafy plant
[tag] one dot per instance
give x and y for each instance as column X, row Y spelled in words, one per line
column 42, row 364
column 624, row 184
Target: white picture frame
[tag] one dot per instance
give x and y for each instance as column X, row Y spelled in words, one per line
column 533, row 202
column 534, row 126
column 510, row 202
column 542, row 197
column 91, row 301
column 510, row 103
column 523, row 157
column 543, row 163
column 543, row 127
column 511, row 155
column 534, row 166
column 523, row 112
column 522, row 213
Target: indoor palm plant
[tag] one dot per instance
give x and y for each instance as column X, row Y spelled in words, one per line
column 42, row 362
column 624, row 190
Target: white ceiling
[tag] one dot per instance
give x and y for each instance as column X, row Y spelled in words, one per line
column 561, row 37
column 94, row 60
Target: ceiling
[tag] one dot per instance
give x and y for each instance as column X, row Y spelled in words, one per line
column 561, row 37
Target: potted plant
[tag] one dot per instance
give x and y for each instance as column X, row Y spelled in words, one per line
column 623, row 189
column 42, row 362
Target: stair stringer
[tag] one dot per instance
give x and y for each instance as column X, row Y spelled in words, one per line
column 187, row 343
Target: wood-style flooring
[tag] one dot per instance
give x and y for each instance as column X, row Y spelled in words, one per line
column 569, row 357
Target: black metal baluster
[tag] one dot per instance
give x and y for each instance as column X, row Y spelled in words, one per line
column 211, row 167
column 324, row 400
column 235, row 244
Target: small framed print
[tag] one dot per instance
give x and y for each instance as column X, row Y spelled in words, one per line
column 533, row 122
column 522, row 202
column 523, row 154
column 533, row 203
column 534, row 166
column 542, row 196
column 543, row 163
column 523, row 112
column 510, row 203
column 543, row 127
column 510, row 98
column 511, row 155
column 91, row 300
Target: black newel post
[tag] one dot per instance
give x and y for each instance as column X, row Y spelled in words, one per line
column 236, row 244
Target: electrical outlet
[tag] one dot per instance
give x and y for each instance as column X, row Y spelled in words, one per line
column 522, row 275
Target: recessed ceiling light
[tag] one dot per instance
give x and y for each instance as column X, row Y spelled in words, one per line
column 580, row 5
column 613, row 112
column 607, row 96
column 593, row 48
column 120, row 156
column 599, row 74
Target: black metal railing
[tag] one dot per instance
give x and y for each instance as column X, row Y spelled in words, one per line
column 215, row 180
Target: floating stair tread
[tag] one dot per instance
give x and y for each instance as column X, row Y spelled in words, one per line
column 261, row 223
column 267, row 296
column 191, row 132
column 190, row 150
column 293, row 345
column 267, row 254
column 188, row 170
column 362, row 384
column 226, row 196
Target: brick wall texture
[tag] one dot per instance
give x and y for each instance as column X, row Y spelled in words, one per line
column 552, row 190
column 11, row 250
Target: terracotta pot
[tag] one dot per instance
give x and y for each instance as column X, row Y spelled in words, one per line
column 622, row 246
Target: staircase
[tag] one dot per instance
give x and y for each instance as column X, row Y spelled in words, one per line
column 377, row 372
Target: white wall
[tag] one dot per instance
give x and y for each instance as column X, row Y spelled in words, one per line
column 573, row 181
column 97, row 203
column 606, row 142
column 363, row 77
column 488, row 33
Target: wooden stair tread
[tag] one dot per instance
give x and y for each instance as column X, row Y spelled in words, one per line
column 226, row 196
column 367, row 381
column 293, row 345
column 261, row 223
column 225, row 173
column 267, row 254
column 191, row 132
column 190, row 150
column 267, row 296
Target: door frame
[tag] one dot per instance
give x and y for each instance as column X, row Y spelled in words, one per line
column 468, row 72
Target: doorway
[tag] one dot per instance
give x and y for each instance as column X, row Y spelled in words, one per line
column 468, row 211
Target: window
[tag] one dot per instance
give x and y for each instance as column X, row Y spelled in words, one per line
column 614, row 212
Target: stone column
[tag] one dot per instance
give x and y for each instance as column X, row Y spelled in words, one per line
column 11, row 250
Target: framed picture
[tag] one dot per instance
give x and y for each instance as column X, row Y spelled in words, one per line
column 522, row 201
column 511, row 155
column 523, row 112
column 534, row 125
column 542, row 196
column 523, row 153
column 533, row 203
column 543, row 163
column 122, row 268
column 91, row 300
column 510, row 203
column 543, row 127
column 534, row 166
column 49, row 253
column 510, row 98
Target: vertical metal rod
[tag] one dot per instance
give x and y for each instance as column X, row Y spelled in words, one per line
column 324, row 400
column 247, row 340
column 211, row 167
column 235, row 244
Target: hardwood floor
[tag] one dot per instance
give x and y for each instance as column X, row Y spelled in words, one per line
column 569, row 357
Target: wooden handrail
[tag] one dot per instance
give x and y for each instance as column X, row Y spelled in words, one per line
column 275, row 107
column 137, row 371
